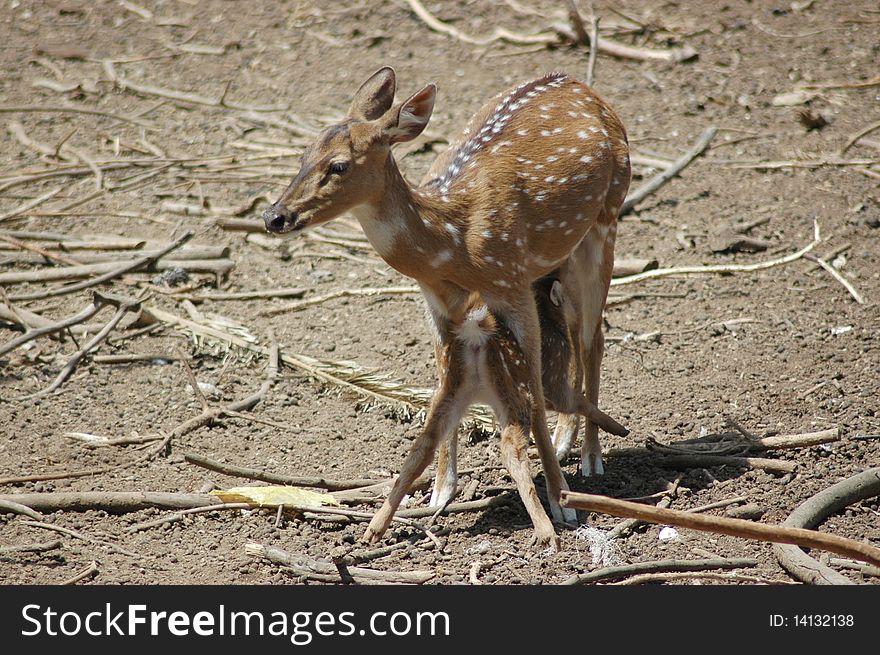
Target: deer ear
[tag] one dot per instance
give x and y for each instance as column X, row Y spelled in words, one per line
column 407, row 122
column 375, row 96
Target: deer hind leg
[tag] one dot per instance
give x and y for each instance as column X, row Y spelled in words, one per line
column 446, row 480
column 514, row 445
column 445, row 414
column 568, row 420
column 595, row 260
column 521, row 318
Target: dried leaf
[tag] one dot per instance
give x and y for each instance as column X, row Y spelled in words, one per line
column 273, row 496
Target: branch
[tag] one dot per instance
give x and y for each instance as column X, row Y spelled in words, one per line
column 722, row 525
column 812, row 512
column 613, row 572
column 664, row 176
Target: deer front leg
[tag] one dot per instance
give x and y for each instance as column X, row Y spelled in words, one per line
column 444, row 416
column 514, row 445
column 521, row 319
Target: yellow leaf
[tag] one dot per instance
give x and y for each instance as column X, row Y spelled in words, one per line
column 273, row 496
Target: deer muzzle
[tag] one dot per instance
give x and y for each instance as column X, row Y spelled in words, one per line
column 278, row 219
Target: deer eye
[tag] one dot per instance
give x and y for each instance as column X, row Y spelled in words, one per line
column 339, row 167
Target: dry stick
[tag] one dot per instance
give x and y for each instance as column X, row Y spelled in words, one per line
column 608, row 46
column 837, row 276
column 594, row 46
column 185, row 254
column 858, row 135
column 128, row 267
column 30, row 204
column 93, row 308
column 175, row 95
column 18, row 508
column 700, row 460
column 797, row 163
column 131, row 358
column 43, row 253
column 287, row 292
column 90, row 572
column 179, row 516
column 80, row 535
column 722, row 268
column 123, row 306
column 327, row 571
column 113, row 502
column 613, row 572
column 650, row 578
column 729, row 526
column 664, row 176
column 783, row 441
column 31, row 548
column 194, row 423
column 279, row 478
column 76, row 110
column 194, row 385
column 17, row 315
column 812, row 512
column 341, row 293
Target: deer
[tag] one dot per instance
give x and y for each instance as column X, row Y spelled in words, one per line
column 487, row 363
column 540, row 171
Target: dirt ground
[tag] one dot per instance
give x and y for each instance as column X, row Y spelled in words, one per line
column 782, row 350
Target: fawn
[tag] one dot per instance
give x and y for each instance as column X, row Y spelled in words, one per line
column 486, row 365
column 539, row 172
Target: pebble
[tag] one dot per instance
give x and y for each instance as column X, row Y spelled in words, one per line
column 750, row 511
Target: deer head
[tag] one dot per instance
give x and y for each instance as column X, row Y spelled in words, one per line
column 345, row 166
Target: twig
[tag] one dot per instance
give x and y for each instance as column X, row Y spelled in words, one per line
column 594, row 48
column 30, row 204
column 287, row 292
column 31, row 548
column 114, row 502
column 175, row 95
column 80, row 535
column 608, row 46
column 695, row 460
column 278, row 478
column 307, row 567
column 733, row 527
column 650, row 578
column 340, row 293
column 837, row 276
column 76, row 110
column 659, row 566
column 722, row 268
column 194, row 385
column 89, row 572
column 123, row 306
column 179, row 516
column 664, row 176
column 110, row 275
column 858, row 135
column 783, row 441
column 98, row 301
column 42, row 252
column 18, row 508
column 811, row 513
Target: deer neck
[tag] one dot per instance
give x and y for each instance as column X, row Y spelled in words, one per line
column 418, row 233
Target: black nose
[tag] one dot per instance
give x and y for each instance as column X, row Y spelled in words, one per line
column 274, row 219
